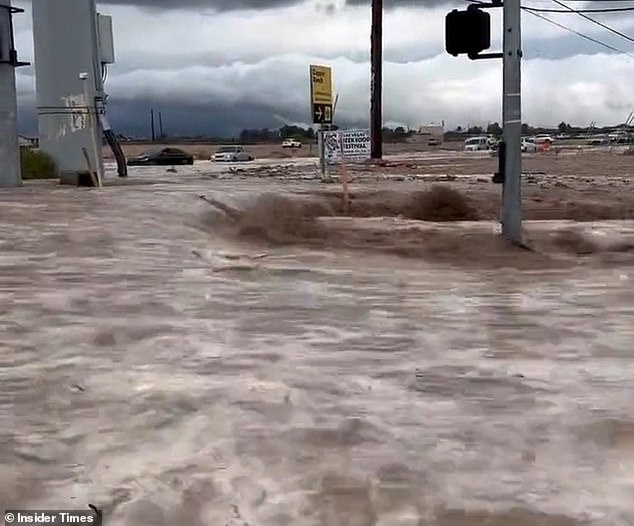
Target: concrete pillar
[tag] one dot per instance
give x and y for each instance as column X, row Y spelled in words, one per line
column 66, row 46
column 10, row 175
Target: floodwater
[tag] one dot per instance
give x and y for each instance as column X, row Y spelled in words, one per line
column 172, row 376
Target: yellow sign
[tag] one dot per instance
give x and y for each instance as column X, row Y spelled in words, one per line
column 321, row 85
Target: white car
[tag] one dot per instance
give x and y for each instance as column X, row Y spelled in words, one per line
column 528, row 146
column 542, row 138
column 229, row 154
column 476, row 144
column 291, row 143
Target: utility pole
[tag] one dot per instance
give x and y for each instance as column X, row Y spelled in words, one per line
column 512, row 120
column 10, row 176
column 152, row 125
column 376, row 80
column 161, row 134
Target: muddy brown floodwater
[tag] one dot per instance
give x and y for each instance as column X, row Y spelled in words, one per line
column 173, row 366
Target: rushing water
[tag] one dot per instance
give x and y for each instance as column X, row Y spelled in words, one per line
column 146, row 370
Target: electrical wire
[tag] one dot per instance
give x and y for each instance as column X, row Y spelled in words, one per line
column 590, row 19
column 608, row 10
column 531, row 11
column 550, row 21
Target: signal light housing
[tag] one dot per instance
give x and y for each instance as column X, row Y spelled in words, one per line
column 467, row 32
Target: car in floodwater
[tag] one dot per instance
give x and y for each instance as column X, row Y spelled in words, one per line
column 478, row 144
column 291, row 143
column 542, row 138
column 231, row 154
column 528, row 145
column 162, row 157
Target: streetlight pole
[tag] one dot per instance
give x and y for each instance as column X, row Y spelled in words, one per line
column 376, row 80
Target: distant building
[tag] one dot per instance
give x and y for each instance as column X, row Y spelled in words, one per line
column 425, row 133
column 28, row 142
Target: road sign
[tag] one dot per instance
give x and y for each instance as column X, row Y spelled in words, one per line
column 321, row 85
column 347, row 145
column 321, row 94
column 322, row 113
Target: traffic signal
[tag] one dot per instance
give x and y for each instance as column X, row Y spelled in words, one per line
column 467, row 32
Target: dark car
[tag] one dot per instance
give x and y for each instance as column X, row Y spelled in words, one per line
column 169, row 156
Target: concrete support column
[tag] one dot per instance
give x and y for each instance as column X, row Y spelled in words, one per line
column 10, row 175
column 66, row 46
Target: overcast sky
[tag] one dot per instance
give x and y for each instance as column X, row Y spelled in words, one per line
column 217, row 66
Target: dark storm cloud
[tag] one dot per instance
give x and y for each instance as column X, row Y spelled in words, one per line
column 220, row 5
column 236, row 5
column 183, row 118
column 132, row 118
column 404, row 3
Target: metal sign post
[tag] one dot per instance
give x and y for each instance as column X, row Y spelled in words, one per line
column 322, row 151
column 512, row 119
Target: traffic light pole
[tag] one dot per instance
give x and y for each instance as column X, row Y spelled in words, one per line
column 468, row 33
column 512, row 120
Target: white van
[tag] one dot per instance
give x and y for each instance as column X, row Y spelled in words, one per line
column 476, row 144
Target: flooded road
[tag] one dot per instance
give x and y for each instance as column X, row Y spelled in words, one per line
column 172, row 376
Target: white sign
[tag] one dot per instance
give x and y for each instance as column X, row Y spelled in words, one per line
column 346, row 145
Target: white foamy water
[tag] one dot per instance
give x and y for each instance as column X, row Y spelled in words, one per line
column 171, row 376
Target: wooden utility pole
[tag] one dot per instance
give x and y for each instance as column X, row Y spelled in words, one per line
column 376, row 80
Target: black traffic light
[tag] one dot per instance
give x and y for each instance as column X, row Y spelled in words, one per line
column 467, row 32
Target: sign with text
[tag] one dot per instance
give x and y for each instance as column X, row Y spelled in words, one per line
column 321, row 94
column 346, row 146
column 322, row 114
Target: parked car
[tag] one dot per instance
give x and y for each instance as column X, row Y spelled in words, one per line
column 528, row 145
column 542, row 138
column 164, row 156
column 230, row 154
column 475, row 144
column 291, row 143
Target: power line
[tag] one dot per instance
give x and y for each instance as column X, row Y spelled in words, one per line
column 550, row 21
column 600, row 24
column 609, row 10
column 531, row 11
